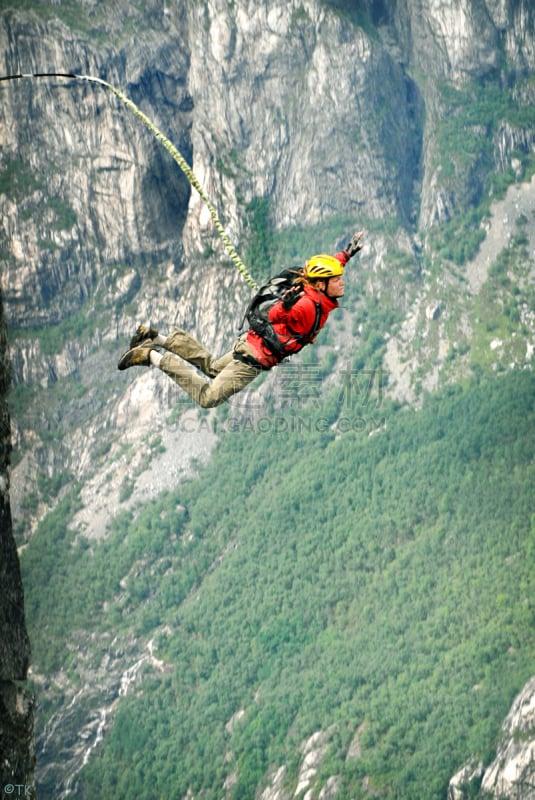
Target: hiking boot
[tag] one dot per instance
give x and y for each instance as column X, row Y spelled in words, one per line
column 143, row 333
column 137, row 356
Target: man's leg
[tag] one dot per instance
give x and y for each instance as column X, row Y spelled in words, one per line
column 182, row 344
column 231, row 374
column 234, row 377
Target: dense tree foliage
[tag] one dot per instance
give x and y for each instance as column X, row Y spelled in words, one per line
column 316, row 579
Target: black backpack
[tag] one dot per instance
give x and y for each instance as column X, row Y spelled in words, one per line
column 257, row 312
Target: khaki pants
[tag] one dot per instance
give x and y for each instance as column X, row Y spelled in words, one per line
column 229, row 374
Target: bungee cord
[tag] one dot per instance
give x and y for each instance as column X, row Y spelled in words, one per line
column 171, row 149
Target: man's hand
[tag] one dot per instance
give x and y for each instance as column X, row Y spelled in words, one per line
column 291, row 296
column 355, row 244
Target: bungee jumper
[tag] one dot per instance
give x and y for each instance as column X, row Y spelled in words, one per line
column 284, row 316
column 279, row 327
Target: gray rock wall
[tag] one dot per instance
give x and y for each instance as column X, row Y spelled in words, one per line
column 16, row 702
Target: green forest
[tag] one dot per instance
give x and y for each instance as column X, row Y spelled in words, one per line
column 315, row 578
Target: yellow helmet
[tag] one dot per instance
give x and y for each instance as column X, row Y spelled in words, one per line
column 322, row 266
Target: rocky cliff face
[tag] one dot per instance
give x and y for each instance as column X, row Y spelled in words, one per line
column 328, row 114
column 331, row 114
column 512, row 772
column 16, row 702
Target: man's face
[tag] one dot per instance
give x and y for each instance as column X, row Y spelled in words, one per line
column 335, row 287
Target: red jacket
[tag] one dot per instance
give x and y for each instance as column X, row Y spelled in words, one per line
column 298, row 320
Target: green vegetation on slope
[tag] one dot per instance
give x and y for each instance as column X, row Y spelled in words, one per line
column 318, row 582
column 466, row 161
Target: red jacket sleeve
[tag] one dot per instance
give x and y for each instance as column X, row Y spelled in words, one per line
column 343, row 257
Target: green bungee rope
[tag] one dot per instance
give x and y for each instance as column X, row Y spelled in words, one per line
column 171, row 149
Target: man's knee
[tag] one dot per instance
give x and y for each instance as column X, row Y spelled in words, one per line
column 207, row 401
column 215, row 393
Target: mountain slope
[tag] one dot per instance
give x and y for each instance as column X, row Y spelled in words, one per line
column 369, row 592
column 343, row 116
column 304, row 121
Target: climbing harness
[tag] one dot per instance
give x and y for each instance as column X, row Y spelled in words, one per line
column 169, row 146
